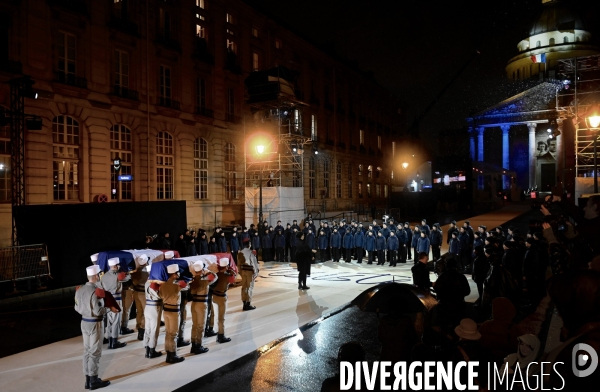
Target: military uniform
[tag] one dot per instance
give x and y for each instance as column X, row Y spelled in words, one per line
column 152, row 314
column 199, row 294
column 218, row 292
column 170, row 292
column 127, row 299
column 249, row 272
column 139, row 279
column 110, row 282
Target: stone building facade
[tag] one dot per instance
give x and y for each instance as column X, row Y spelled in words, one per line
column 160, row 85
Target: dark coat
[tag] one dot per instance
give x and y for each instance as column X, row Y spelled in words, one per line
column 370, row 243
column 293, row 239
column 359, row 239
column 435, row 238
column 450, row 231
column 323, row 242
column 454, row 246
column 463, row 238
column 303, row 257
column 348, row 241
column 385, row 232
column 279, row 241
column 415, row 238
column 235, row 244
column 393, row 243
column 423, row 245
column 266, row 242
column 255, row 242
column 452, row 286
column 202, row 246
column 212, row 247
column 409, row 237
column 181, row 247
column 335, row 240
column 310, row 241
column 481, row 267
column 380, row 243
column 222, row 244
column 420, row 273
column 402, row 237
column 426, row 229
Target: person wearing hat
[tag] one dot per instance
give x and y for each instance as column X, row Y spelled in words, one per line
column 392, row 248
column 170, row 292
column 402, row 239
column 336, row 243
column 424, row 228
column 293, row 244
column 436, row 239
column 249, row 271
column 279, row 245
column 89, row 303
column 234, row 245
column 218, row 293
column 452, row 229
column 370, row 246
column 199, row 293
column 287, row 234
column 409, row 238
column 266, row 244
column 348, row 245
column 467, row 330
column 112, row 282
column 138, row 278
column 304, row 256
column 152, row 315
column 359, row 243
column 420, row 272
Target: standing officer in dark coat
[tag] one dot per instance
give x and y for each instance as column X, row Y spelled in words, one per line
column 425, row 228
column 304, row 257
column 335, row 242
column 452, row 229
column 359, row 244
column 420, row 272
column 451, row 288
column 279, row 243
column 436, row 241
column 402, row 240
column 409, row 237
column 287, row 233
column 266, row 244
column 322, row 244
column 392, row 247
column 348, row 245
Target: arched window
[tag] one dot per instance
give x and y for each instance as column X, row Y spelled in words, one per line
column 120, row 147
column 312, row 178
column 349, row 181
column 326, row 171
column 565, row 39
column 65, row 162
column 164, row 166
column 552, row 41
column 5, row 164
column 200, row 169
column 338, row 180
column 230, row 173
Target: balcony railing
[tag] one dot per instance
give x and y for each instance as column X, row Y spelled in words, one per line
column 11, row 66
column 169, row 103
column 123, row 24
column 124, row 92
column 233, row 118
column 70, row 79
column 204, row 111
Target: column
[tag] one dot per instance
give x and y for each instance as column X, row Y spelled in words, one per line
column 532, row 150
column 480, row 143
column 505, row 156
column 472, row 144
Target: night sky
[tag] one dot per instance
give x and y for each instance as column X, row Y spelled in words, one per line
column 416, row 47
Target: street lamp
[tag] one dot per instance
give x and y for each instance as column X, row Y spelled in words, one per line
column 592, row 120
column 260, row 149
column 405, row 165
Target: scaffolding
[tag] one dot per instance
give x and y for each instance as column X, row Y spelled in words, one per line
column 276, row 112
column 580, row 78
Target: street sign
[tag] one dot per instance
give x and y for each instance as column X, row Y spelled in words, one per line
column 125, row 177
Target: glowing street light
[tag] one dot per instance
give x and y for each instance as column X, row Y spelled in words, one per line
column 260, row 149
column 592, row 120
column 405, row 165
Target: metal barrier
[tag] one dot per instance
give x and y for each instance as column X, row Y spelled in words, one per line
column 24, row 262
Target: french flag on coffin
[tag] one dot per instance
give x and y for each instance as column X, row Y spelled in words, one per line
column 539, row 58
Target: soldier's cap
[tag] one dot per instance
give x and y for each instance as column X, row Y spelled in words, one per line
column 113, row 261
column 173, row 268
column 92, row 270
column 170, row 254
column 198, row 267
column 360, row 224
column 437, row 225
column 453, row 222
column 424, row 220
column 468, row 222
column 245, row 228
column 483, row 227
column 94, row 257
column 142, row 259
column 407, row 223
column 224, row 262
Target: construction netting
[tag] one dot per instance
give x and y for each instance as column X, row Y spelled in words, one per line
column 278, row 203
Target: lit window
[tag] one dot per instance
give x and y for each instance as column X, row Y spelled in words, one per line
column 164, row 90
column 200, row 17
column 230, row 172
column 393, row 150
column 361, row 139
column 369, row 171
column 200, row 169
column 360, row 170
column 5, row 164
column 200, row 3
column 120, row 147
column 230, row 32
column 313, row 127
column 369, row 195
column 360, row 189
column 200, row 31
column 65, row 165
column 385, row 191
column 255, row 32
column 379, row 142
column 255, row 62
column 231, row 45
column 230, row 102
column 297, row 120
column 164, row 166
column 229, row 19
column 277, row 43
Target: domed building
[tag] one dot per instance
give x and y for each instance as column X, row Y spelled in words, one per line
column 557, row 33
column 521, row 142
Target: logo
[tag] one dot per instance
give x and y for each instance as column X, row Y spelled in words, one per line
column 583, row 356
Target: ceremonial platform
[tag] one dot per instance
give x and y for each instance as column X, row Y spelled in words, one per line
column 281, row 310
